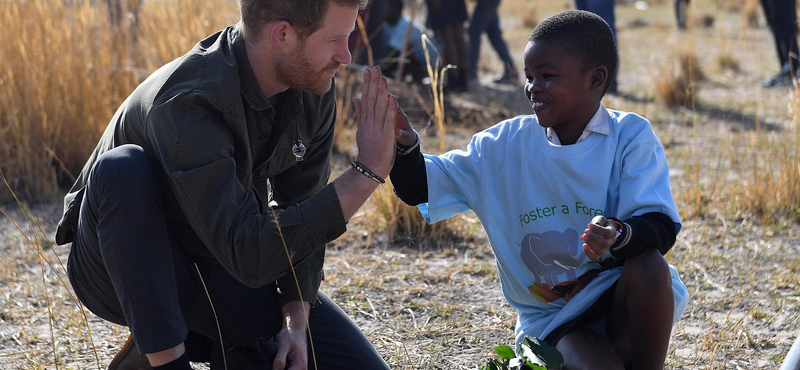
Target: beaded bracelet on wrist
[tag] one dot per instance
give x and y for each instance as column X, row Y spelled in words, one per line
column 626, row 236
column 403, row 151
column 366, row 172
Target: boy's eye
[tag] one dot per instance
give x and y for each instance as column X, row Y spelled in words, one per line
column 548, row 76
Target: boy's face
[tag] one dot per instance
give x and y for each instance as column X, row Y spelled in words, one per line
column 562, row 95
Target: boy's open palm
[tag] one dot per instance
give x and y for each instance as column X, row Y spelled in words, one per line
column 598, row 237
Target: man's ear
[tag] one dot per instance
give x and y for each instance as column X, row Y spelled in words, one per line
column 281, row 34
column 599, row 77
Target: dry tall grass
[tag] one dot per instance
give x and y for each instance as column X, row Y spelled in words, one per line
column 65, row 68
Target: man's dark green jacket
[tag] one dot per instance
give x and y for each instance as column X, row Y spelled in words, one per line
column 226, row 151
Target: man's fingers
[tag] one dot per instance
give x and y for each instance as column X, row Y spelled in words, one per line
column 382, row 103
column 280, row 360
column 372, row 94
column 365, row 95
column 358, row 105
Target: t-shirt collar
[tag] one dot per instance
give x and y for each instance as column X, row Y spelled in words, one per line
column 599, row 123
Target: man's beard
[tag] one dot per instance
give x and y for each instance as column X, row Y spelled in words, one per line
column 297, row 72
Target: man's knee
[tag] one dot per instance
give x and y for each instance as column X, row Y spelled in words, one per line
column 126, row 159
column 127, row 166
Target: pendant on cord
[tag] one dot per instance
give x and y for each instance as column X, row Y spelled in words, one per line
column 299, row 150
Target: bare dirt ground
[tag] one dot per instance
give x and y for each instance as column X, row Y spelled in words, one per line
column 440, row 306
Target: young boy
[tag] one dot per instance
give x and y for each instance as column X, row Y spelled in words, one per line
column 574, row 174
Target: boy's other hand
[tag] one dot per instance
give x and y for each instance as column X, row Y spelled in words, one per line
column 598, row 237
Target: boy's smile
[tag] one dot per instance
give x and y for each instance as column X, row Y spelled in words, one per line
column 564, row 96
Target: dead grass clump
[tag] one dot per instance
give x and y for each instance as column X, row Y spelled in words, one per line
column 769, row 185
column 705, row 21
column 529, row 18
column 677, row 84
column 673, row 90
column 401, row 221
column 751, row 13
column 690, row 65
column 727, row 62
column 731, row 5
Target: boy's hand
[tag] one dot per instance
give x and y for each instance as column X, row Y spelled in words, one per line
column 403, row 132
column 598, row 237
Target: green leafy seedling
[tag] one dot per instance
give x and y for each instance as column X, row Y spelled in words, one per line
column 533, row 355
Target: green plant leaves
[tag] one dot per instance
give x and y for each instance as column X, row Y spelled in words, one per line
column 539, row 355
column 533, row 354
column 505, row 352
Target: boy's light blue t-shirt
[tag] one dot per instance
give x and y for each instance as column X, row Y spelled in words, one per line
column 535, row 199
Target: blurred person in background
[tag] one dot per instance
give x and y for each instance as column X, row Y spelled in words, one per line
column 680, row 13
column 782, row 20
column 605, row 9
column 446, row 18
column 372, row 18
column 485, row 19
column 395, row 30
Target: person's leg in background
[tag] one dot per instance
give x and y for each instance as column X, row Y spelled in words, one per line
column 451, row 38
column 478, row 24
column 605, row 9
column 374, row 28
column 781, row 17
column 495, row 34
column 680, row 13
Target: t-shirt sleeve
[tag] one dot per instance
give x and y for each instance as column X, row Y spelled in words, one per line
column 454, row 181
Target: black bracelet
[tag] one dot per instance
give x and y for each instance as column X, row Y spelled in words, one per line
column 626, row 233
column 403, row 151
column 364, row 170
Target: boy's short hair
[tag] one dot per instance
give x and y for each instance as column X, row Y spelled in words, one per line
column 583, row 34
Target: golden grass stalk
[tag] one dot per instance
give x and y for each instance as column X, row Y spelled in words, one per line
column 437, row 90
column 65, row 70
column 35, row 239
column 398, row 217
column 769, row 182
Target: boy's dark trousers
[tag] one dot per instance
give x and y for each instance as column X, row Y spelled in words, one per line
column 126, row 267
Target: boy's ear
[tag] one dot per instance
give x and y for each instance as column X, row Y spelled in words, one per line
column 599, row 77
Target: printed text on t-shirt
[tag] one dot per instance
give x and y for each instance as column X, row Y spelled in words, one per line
column 542, row 212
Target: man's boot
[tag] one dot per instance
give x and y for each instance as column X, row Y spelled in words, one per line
column 129, row 358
